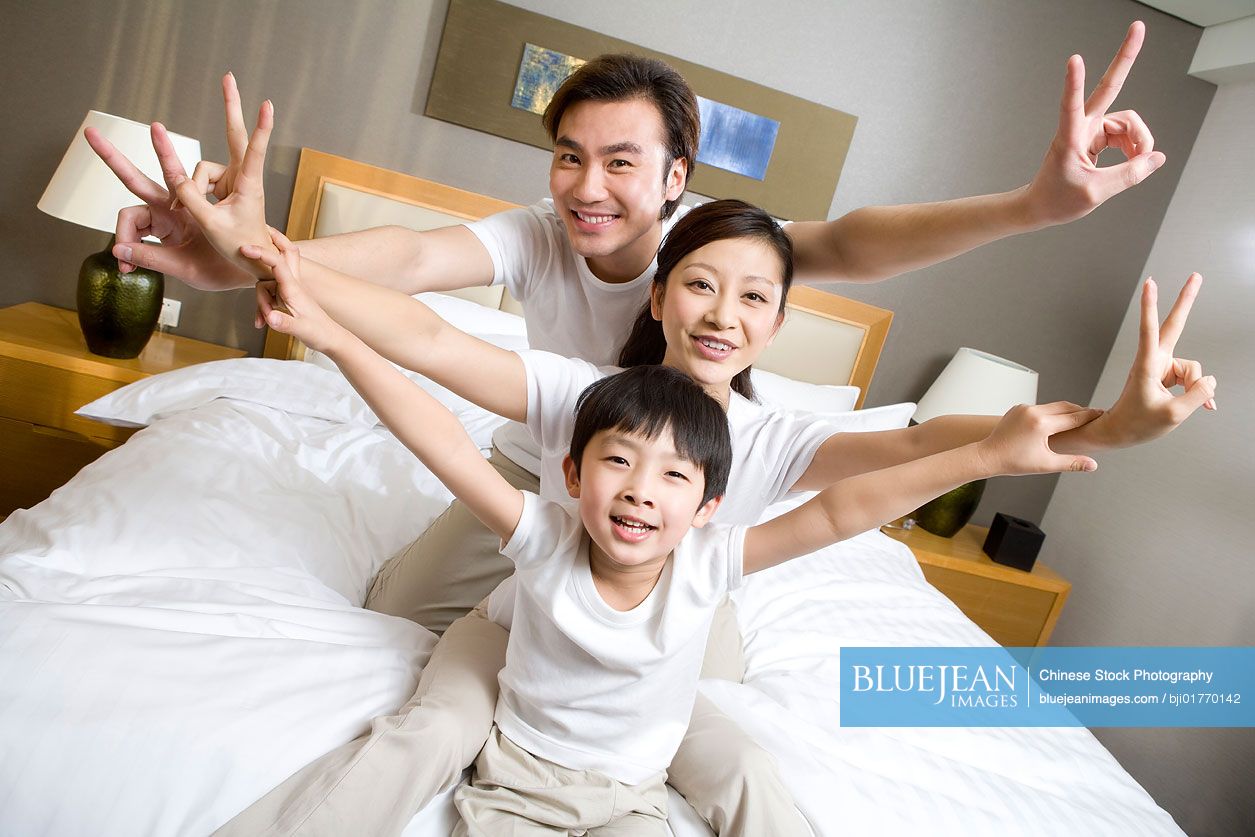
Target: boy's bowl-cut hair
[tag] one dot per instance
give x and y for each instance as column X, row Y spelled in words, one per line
column 647, row 400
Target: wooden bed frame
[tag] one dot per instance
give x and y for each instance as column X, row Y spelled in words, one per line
column 827, row 339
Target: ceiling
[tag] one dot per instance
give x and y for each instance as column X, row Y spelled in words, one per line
column 1204, row 12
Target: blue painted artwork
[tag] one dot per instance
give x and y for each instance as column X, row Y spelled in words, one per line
column 732, row 139
column 541, row 73
column 736, row 140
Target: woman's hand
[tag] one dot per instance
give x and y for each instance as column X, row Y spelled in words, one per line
column 1020, row 442
column 283, row 303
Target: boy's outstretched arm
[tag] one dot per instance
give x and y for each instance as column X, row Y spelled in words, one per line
column 875, row 243
column 422, row 424
column 1019, row 444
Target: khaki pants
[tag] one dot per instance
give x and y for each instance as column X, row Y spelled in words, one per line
column 517, row 793
column 375, row 784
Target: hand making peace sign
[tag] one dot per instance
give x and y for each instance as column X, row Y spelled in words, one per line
column 184, row 251
column 1146, row 408
column 1070, row 183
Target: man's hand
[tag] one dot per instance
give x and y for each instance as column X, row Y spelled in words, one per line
column 1020, row 442
column 240, row 217
column 184, row 252
column 215, row 178
column 283, row 302
column 1070, row 184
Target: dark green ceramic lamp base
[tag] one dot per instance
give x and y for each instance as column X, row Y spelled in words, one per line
column 947, row 514
column 117, row 311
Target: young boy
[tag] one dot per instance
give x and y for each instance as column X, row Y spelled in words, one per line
column 609, row 612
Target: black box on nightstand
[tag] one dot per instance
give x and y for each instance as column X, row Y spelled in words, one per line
column 1013, row 542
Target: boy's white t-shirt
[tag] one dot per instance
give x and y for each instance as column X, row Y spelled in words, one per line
column 590, row 687
column 771, row 446
column 568, row 310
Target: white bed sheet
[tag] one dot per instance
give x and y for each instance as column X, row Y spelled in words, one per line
column 179, row 632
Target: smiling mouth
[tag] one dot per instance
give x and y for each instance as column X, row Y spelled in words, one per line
column 714, row 348
column 594, row 220
column 631, row 529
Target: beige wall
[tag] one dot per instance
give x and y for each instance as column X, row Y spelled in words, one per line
column 952, row 99
column 1158, row 543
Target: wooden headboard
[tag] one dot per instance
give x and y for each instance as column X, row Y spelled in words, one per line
column 826, row 339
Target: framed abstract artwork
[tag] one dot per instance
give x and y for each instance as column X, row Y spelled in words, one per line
column 499, row 66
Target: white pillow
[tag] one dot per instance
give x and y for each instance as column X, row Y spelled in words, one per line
column 798, row 395
column 315, row 388
column 474, row 318
column 300, row 388
column 869, row 419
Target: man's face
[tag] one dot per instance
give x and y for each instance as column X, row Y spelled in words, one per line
column 608, row 184
column 638, row 496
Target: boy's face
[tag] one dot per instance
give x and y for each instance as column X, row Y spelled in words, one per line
column 608, row 185
column 638, row 496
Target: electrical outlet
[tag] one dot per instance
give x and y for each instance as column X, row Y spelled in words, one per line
column 169, row 313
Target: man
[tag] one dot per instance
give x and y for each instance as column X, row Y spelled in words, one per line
column 625, row 141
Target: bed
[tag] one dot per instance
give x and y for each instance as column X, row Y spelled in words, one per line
column 180, row 627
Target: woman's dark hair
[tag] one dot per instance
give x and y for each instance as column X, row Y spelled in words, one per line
column 650, row 399
column 710, row 222
column 622, row 77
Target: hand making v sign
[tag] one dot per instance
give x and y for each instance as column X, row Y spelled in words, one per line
column 1070, row 183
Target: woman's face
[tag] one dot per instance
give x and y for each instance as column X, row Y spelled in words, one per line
column 720, row 309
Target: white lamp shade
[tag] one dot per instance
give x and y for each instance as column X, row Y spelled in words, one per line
column 978, row 383
column 83, row 189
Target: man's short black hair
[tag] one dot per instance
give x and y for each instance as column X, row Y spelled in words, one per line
column 650, row 399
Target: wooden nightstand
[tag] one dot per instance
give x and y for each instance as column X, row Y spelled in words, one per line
column 46, row 373
column 1014, row 607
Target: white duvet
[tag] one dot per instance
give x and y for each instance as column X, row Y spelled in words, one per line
column 179, row 632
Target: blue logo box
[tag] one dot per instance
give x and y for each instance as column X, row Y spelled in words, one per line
column 1048, row 687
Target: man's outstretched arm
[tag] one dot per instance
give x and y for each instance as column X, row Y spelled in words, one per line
column 875, row 243
column 395, row 257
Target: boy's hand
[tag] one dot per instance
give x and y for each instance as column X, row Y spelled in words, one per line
column 283, row 303
column 1070, row 183
column 1020, row 442
column 1146, row 408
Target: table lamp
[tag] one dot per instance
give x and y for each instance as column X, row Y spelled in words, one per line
column 973, row 383
column 116, row 311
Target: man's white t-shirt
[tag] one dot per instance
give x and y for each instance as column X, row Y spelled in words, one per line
column 771, row 446
column 568, row 310
column 590, row 687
